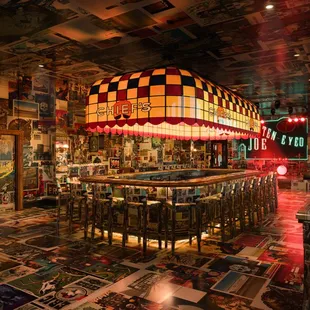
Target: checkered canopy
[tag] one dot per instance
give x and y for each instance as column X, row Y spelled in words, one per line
column 169, row 103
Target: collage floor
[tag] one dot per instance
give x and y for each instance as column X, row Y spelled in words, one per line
column 262, row 269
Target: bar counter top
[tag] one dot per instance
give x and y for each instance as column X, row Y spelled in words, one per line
column 223, row 175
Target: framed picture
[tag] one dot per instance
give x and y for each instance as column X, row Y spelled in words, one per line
column 74, row 172
column 93, row 144
column 114, row 163
column 25, row 109
column 31, row 178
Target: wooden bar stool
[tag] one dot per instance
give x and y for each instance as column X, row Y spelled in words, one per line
column 62, row 195
column 141, row 227
column 245, row 203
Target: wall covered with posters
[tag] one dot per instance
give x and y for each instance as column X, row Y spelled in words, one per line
column 40, row 106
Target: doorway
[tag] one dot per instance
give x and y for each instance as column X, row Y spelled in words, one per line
column 11, row 170
column 219, row 154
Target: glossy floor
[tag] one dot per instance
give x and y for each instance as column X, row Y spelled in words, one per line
column 262, row 269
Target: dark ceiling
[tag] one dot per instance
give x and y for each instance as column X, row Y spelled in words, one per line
column 262, row 54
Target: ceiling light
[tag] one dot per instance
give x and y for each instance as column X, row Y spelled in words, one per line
column 302, row 119
column 290, row 120
column 269, row 6
column 41, row 66
column 296, row 55
column 295, row 119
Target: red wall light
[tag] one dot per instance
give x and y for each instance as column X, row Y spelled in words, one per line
column 296, row 119
column 302, row 119
column 290, row 120
column 282, row 170
column 262, row 121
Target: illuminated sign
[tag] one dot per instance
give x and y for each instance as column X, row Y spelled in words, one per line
column 279, row 139
column 123, row 108
column 168, row 103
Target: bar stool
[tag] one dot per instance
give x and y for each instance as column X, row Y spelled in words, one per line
column 77, row 198
column 245, row 204
column 218, row 210
column 274, row 192
column 62, row 195
column 235, row 208
column 267, row 196
column 100, row 221
column 254, row 206
column 141, row 227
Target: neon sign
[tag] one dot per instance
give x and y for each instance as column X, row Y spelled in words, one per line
column 280, row 139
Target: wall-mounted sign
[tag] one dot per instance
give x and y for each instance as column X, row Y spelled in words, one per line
column 280, row 139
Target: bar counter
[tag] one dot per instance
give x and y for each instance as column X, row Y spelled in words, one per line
column 173, row 205
column 130, row 179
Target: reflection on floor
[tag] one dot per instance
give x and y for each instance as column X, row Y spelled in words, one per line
column 257, row 270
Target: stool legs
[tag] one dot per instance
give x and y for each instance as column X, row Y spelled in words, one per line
column 58, row 214
column 190, row 224
column 160, row 209
column 173, row 228
column 145, row 215
column 139, row 225
column 70, row 213
column 110, row 221
column 166, row 225
column 222, row 215
column 94, row 213
column 86, row 221
column 198, row 226
column 102, row 221
column 125, row 224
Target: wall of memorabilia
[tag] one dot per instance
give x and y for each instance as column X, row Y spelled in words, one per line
column 57, row 148
column 40, row 106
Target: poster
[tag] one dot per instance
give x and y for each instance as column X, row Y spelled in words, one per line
column 27, row 155
column 46, row 104
column 31, row 178
column 41, row 84
column 25, row 109
column 114, row 163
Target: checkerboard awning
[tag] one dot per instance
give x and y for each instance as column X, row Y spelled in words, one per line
column 169, row 103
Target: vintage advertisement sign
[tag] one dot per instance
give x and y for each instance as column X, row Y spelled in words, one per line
column 280, row 139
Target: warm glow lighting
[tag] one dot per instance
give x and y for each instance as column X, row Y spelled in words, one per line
column 282, row 170
column 166, row 111
column 269, row 6
column 295, row 119
column 41, row 66
column 262, row 121
column 296, row 55
column 290, row 120
column 302, row 119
